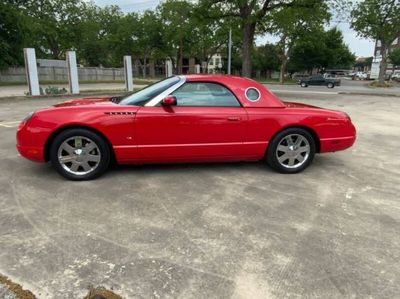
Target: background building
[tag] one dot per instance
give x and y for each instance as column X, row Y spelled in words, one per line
column 378, row 52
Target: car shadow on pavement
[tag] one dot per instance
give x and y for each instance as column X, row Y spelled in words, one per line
column 46, row 171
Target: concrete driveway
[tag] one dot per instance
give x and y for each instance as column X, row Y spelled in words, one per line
column 211, row 230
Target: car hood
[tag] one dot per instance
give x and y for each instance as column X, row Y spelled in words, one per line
column 86, row 101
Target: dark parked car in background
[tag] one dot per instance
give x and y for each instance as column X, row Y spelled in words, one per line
column 319, row 80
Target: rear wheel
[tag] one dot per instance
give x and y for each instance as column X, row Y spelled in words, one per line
column 303, row 84
column 291, row 151
column 330, row 85
column 80, row 154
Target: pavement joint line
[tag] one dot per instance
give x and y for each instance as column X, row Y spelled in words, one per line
column 10, row 124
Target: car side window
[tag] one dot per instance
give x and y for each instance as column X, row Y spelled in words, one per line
column 205, row 94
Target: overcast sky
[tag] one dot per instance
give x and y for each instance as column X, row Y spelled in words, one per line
column 361, row 47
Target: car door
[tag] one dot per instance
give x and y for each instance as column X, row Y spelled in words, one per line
column 320, row 80
column 311, row 80
column 208, row 123
column 314, row 80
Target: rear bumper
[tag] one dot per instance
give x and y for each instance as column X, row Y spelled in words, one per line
column 336, row 144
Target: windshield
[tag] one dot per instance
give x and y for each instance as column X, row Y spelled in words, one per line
column 141, row 97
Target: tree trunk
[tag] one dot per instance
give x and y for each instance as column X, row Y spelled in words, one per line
column 144, row 66
column 283, row 70
column 152, row 68
column 383, row 65
column 180, row 57
column 248, row 39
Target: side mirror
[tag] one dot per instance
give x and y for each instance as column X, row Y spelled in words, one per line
column 169, row 101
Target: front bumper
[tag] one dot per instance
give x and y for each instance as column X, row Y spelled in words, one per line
column 29, row 145
column 32, row 153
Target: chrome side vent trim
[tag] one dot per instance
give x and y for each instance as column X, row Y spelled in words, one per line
column 120, row 113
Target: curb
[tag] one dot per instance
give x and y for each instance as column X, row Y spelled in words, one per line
column 277, row 83
column 369, row 94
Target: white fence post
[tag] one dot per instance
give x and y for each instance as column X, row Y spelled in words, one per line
column 128, row 73
column 168, row 68
column 72, row 72
column 31, row 71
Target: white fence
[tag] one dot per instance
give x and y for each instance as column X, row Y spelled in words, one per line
column 60, row 74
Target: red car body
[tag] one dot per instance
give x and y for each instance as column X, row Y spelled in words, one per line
column 154, row 134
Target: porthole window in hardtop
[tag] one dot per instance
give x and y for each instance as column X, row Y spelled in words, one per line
column 252, row 94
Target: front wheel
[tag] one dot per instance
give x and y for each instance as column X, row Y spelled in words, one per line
column 80, row 154
column 291, row 151
column 303, row 84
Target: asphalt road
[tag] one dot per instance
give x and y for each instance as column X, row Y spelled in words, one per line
column 235, row 230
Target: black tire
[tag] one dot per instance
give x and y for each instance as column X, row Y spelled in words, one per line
column 330, row 85
column 102, row 148
column 272, row 154
column 303, row 84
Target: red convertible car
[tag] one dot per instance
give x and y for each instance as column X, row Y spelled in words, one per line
column 193, row 118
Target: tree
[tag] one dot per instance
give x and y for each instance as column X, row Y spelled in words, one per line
column 321, row 50
column 293, row 23
column 337, row 53
column 378, row 20
column 53, row 23
column 95, row 36
column 139, row 35
column 266, row 59
column 254, row 17
column 13, row 35
column 394, row 57
column 177, row 16
column 210, row 35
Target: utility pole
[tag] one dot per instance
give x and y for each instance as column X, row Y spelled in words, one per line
column 230, row 51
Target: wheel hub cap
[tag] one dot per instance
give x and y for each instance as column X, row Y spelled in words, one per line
column 79, row 155
column 79, row 152
column 293, row 151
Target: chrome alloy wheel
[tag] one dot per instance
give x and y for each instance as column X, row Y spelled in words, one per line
column 79, row 155
column 293, row 151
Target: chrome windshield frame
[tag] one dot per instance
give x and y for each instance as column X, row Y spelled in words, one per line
column 157, row 99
